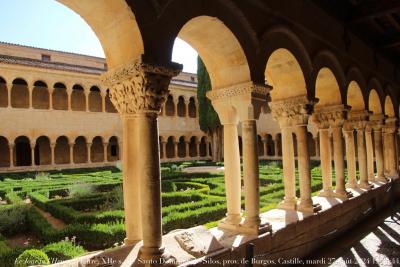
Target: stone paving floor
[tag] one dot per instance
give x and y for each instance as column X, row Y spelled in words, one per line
column 375, row 242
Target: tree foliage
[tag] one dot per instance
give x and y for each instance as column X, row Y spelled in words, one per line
column 208, row 117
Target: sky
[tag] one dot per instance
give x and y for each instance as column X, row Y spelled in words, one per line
column 49, row 24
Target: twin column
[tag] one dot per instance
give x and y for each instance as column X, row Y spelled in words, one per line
column 241, row 103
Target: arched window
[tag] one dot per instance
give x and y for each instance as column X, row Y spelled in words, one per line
column 60, row 97
column 4, row 152
column 170, row 147
column 62, row 151
column 78, row 99
column 109, row 105
column 279, row 140
column 43, row 151
column 182, row 147
column 95, row 101
column 80, row 150
column 19, row 94
column 260, row 146
column 113, row 149
column 40, row 96
column 181, row 107
column 22, row 151
column 203, row 147
column 192, row 108
column 170, row 106
column 193, row 147
column 3, row 93
column 97, row 150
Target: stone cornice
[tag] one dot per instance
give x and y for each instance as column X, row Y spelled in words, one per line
column 292, row 111
column 249, row 88
column 139, row 87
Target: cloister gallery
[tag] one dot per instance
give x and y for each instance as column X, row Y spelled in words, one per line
column 286, row 77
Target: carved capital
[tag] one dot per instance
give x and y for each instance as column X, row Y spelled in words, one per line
column 390, row 126
column 292, row 111
column 330, row 116
column 357, row 119
column 376, row 121
column 139, row 87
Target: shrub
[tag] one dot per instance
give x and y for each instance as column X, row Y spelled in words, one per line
column 81, row 190
column 13, row 220
column 115, row 200
column 32, row 257
column 63, row 250
column 42, row 176
column 40, row 227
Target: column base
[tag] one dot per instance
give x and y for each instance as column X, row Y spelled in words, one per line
column 287, row 205
column 231, row 222
column 382, row 179
column 129, row 242
column 254, row 228
column 352, row 185
column 309, row 208
column 326, row 193
column 365, row 186
column 153, row 256
column 343, row 195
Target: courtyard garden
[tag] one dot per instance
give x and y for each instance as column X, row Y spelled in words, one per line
column 66, row 214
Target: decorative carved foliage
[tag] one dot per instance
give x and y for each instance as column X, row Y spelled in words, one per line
column 357, row 120
column 330, row 116
column 390, row 126
column 292, row 111
column 139, row 87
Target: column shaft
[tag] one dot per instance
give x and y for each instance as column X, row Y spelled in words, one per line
column 51, row 99
column 11, row 148
column 338, row 157
column 52, row 147
column 304, row 169
column 370, row 155
column 289, row 179
column 232, row 174
column 379, row 155
column 176, row 150
column 265, row 144
column 276, row 147
column 350, row 158
column 326, row 162
column 71, row 153
column 251, row 173
column 105, row 149
column 187, row 150
column 33, row 163
column 362, row 159
column 390, row 153
column 317, row 149
column 89, row 152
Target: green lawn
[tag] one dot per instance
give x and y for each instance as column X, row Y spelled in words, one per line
column 90, row 202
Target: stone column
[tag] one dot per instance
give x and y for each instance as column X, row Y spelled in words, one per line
column 326, row 163
column 316, row 144
column 9, row 87
column 30, row 90
column 276, row 147
column 176, row 154
column 338, row 157
column 105, row 148
column 362, row 157
column 69, row 95
column 164, row 150
column 186, row 109
column 51, row 90
column 87, row 109
column 149, row 83
column 103, row 102
column 187, row 149
column 11, row 148
column 348, row 132
column 89, row 152
column 71, row 153
column 379, row 153
column 52, row 147
column 370, row 154
column 198, row 149
column 265, row 144
column 390, row 130
column 243, row 102
column 33, row 154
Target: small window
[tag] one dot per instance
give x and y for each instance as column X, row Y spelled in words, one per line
column 113, row 150
column 46, row 58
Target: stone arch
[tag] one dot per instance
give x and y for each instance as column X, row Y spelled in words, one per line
column 109, row 105
column 4, row 152
column 170, row 147
column 97, row 149
column 193, row 147
column 374, row 102
column 181, row 107
column 356, row 82
column 40, row 95
column 60, row 96
column 327, row 88
column 95, row 99
column 182, row 147
column 260, row 146
column 170, row 106
column 113, row 149
column 389, row 107
column 80, row 150
column 78, row 98
column 42, row 151
column 22, row 151
column 192, row 108
column 355, row 97
column 19, row 94
column 3, row 93
column 288, row 66
column 327, row 73
column 219, row 49
column 120, row 38
column 62, row 151
column 203, row 147
column 375, row 85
